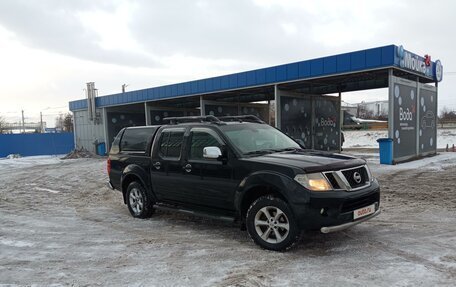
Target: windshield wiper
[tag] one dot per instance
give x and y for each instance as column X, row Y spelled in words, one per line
column 286, row 149
column 259, row 152
column 265, row 151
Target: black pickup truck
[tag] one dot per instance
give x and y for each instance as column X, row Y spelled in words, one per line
column 241, row 169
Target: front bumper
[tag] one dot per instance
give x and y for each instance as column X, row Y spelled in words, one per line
column 332, row 211
column 347, row 225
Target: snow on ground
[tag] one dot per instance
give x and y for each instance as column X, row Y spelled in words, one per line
column 59, row 225
column 439, row 162
column 368, row 138
column 15, row 163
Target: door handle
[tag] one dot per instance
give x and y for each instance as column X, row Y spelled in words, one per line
column 187, row 167
column 157, row 165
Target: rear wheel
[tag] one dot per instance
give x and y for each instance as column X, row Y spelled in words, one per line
column 138, row 202
column 271, row 225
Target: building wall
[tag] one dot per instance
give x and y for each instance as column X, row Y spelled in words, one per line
column 87, row 131
column 351, row 110
column 375, row 109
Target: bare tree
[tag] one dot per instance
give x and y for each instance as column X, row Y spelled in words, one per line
column 364, row 112
column 382, row 116
column 2, row 124
column 447, row 114
column 68, row 122
column 64, row 122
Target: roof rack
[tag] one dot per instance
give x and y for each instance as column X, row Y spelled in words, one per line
column 244, row 118
column 198, row 119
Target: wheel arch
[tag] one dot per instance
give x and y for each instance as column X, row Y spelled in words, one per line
column 260, row 184
column 135, row 173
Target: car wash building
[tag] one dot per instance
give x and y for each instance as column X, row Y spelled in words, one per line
column 306, row 98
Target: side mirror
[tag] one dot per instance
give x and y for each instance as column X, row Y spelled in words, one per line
column 212, row 152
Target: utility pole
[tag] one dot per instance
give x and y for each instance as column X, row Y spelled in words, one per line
column 23, row 122
column 41, row 122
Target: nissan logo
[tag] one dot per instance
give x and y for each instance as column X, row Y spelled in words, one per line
column 357, row 177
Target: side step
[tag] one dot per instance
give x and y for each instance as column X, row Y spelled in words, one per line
column 195, row 213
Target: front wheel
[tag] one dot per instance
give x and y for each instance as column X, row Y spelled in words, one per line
column 138, row 202
column 270, row 223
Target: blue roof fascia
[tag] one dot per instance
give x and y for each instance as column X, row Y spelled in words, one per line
column 352, row 62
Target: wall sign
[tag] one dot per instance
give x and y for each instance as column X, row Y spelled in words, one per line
column 404, row 137
column 413, row 120
column 312, row 119
column 418, row 64
column 427, row 122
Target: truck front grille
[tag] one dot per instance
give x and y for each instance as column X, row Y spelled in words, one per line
column 350, row 179
column 356, row 177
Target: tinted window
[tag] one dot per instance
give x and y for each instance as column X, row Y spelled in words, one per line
column 171, row 143
column 116, row 143
column 163, row 143
column 199, row 141
column 136, row 139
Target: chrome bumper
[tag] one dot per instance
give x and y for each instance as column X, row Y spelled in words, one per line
column 347, row 225
column 109, row 184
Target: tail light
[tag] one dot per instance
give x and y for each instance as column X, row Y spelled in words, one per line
column 108, row 166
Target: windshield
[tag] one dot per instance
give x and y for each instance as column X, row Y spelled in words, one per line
column 258, row 138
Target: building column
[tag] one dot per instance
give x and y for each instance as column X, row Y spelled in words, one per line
column 74, row 130
column 202, row 109
column 417, row 119
column 277, row 107
column 390, row 104
column 147, row 114
column 105, row 130
column 341, row 120
column 437, row 113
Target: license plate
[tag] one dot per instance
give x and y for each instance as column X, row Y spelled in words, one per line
column 358, row 213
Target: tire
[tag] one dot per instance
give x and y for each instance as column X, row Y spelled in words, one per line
column 139, row 203
column 271, row 225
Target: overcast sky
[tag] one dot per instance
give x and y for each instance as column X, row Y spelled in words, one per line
column 49, row 49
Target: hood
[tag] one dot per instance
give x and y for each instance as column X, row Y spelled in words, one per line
column 309, row 160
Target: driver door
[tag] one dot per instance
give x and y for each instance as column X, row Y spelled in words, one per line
column 210, row 182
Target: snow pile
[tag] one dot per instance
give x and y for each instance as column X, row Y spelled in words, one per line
column 79, row 153
column 368, row 138
column 28, row 161
column 365, row 139
column 447, row 136
column 11, row 156
column 438, row 162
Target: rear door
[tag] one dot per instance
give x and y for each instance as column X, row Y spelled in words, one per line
column 166, row 166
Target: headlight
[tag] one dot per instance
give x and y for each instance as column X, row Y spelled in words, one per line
column 313, row 181
column 369, row 173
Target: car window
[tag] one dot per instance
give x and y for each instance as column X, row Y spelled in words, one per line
column 135, row 139
column 249, row 138
column 163, row 144
column 170, row 144
column 200, row 140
